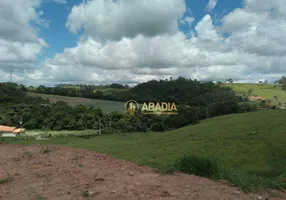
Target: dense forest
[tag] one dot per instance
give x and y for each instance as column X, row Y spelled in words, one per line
column 195, row 101
column 181, row 91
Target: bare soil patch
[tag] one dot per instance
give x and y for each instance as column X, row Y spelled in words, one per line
column 66, row 174
column 256, row 98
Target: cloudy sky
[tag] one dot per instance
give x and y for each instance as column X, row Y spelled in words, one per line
column 129, row 41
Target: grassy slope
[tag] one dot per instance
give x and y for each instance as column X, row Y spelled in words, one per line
column 252, row 141
column 38, row 132
column 105, row 105
column 265, row 90
column 106, row 91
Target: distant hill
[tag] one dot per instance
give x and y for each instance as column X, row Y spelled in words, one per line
column 268, row 91
column 105, row 105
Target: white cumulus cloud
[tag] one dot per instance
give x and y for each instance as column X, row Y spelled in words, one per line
column 109, row 19
column 60, row 1
column 211, row 5
column 19, row 41
column 127, row 42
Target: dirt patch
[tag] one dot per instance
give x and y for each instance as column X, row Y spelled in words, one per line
column 62, row 173
column 3, row 175
column 256, row 98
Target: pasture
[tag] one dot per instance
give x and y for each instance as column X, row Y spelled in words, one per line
column 57, row 133
column 264, row 90
column 105, row 105
column 250, row 142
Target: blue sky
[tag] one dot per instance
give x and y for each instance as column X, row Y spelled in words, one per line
column 59, row 37
column 132, row 41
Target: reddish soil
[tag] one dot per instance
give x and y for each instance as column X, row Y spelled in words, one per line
column 67, row 174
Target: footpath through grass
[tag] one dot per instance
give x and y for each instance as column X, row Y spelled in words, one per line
column 250, row 148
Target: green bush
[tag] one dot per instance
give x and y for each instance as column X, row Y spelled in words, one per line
column 210, row 168
column 158, row 127
column 247, row 107
column 198, row 165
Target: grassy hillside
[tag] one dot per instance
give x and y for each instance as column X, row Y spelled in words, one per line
column 39, row 132
column 250, row 142
column 105, row 105
column 264, row 90
column 106, row 91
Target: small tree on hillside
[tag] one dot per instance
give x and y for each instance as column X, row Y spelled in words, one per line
column 282, row 80
column 284, row 86
column 275, row 97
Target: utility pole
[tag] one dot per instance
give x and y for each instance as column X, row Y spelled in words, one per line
column 21, row 124
column 207, row 109
column 100, row 128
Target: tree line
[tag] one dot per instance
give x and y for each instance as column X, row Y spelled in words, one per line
column 195, row 101
column 181, row 91
column 282, row 81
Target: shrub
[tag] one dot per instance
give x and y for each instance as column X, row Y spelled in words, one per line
column 198, row 165
column 158, row 127
column 46, row 150
column 210, row 168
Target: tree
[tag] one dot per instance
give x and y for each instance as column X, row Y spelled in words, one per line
column 282, row 80
column 72, row 125
column 24, row 89
column 158, row 127
column 284, row 86
column 80, row 125
column 116, row 85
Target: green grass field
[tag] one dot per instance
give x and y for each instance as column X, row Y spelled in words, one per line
column 251, row 142
column 39, row 132
column 105, row 105
column 264, row 90
column 107, row 91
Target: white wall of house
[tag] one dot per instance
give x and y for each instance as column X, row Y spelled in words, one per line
column 8, row 134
